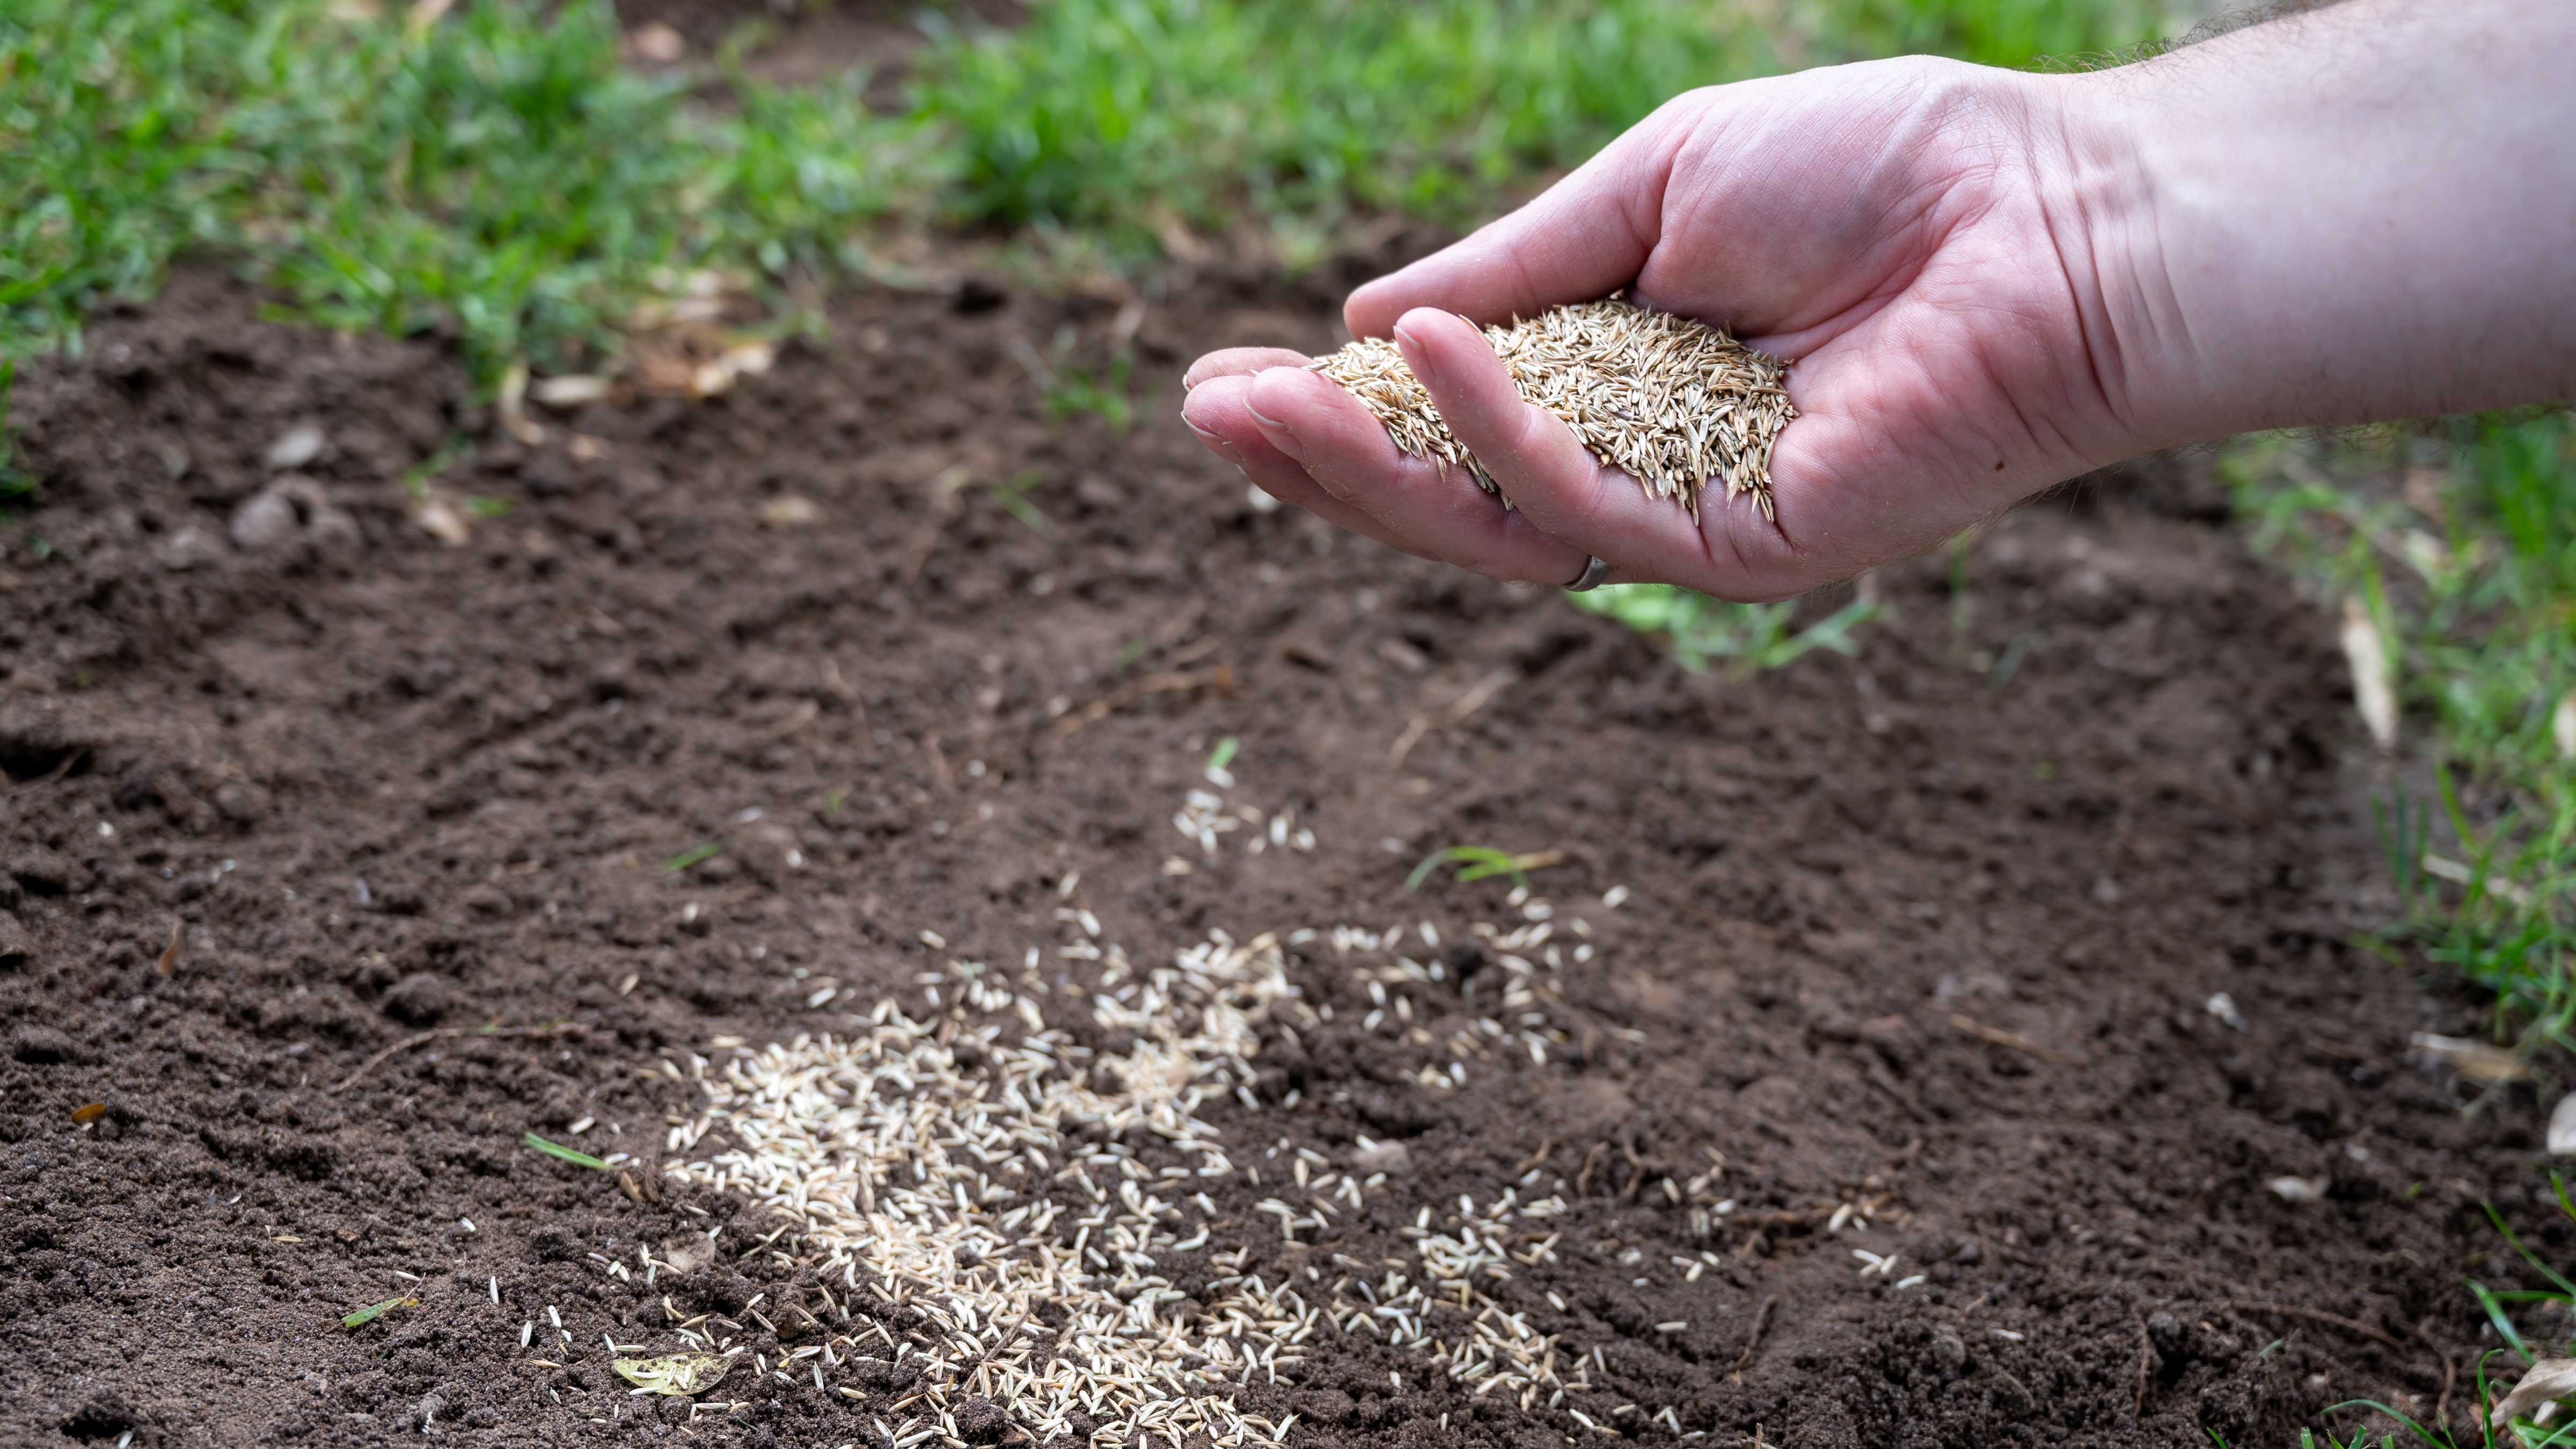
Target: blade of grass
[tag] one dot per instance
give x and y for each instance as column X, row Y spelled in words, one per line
column 694, row 855
column 558, row 1150
column 374, row 1311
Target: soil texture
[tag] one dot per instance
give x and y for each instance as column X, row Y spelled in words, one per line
column 1915, row 953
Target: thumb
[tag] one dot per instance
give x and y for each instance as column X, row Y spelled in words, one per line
column 1584, row 237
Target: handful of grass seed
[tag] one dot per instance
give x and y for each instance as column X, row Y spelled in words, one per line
column 1677, row 404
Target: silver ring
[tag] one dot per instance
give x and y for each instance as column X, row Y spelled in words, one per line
column 1593, row 573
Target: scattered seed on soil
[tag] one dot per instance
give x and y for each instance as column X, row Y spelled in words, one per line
column 1677, row 404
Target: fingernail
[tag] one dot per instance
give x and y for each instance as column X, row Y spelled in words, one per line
column 1224, row 449
column 1279, row 433
column 1415, row 357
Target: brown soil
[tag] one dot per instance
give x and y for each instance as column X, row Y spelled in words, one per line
column 1931, row 929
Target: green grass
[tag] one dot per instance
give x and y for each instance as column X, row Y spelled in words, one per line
column 562, row 1153
column 1481, row 862
column 2461, row 548
column 694, row 855
column 1128, row 117
column 498, row 171
column 1749, row 638
column 1133, row 114
column 373, row 1311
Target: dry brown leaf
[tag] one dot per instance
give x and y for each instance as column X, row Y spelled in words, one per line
column 2546, row 1381
column 2476, row 1060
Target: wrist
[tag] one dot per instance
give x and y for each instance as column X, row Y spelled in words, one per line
column 2346, row 216
column 2107, row 212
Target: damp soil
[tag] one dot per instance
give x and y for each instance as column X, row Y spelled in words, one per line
column 1932, row 931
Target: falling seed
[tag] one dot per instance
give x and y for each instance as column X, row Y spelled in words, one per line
column 1675, row 403
column 2373, row 694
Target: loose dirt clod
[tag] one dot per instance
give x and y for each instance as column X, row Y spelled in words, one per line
column 1677, row 404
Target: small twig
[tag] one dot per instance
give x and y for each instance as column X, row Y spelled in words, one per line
column 2442, row 1407
column 1997, row 1036
column 1219, row 678
column 444, row 1032
column 1591, row 1161
column 50, row 776
column 1546, row 1150
column 1761, row 1325
column 2319, row 1315
column 2146, row 1359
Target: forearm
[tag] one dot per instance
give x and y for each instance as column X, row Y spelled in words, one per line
column 2360, row 213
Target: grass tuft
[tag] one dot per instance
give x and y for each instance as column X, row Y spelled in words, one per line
column 1482, row 862
column 498, row 171
column 1752, row 638
column 1143, row 116
column 2461, row 548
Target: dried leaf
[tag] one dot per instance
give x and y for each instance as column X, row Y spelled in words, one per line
column 680, row 1373
column 2372, row 692
column 2544, row 1382
column 2476, row 1060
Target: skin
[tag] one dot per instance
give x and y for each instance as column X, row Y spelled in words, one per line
column 1987, row 282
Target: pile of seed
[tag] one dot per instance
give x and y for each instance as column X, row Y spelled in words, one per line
column 1677, row 404
column 1028, row 1208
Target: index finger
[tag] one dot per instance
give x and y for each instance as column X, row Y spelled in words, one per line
column 1585, row 237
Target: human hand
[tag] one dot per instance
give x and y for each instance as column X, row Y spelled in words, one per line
column 1986, row 282
column 1899, row 230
